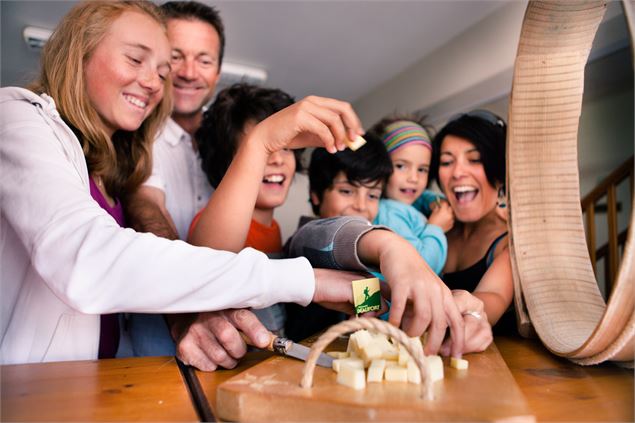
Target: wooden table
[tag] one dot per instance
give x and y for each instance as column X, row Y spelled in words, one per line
column 151, row 388
column 555, row 388
column 558, row 390
column 129, row 389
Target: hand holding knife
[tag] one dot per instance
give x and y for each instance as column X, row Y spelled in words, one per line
column 286, row 347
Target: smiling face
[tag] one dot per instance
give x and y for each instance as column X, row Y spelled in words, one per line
column 463, row 180
column 276, row 181
column 411, row 165
column 125, row 73
column 195, row 64
column 344, row 198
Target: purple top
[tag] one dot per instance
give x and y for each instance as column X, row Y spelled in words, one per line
column 109, row 327
column 116, row 211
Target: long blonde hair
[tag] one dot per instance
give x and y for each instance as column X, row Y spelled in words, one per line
column 124, row 161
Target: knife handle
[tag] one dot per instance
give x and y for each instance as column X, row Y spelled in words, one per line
column 248, row 341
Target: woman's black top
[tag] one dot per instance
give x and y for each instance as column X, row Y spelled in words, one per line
column 468, row 279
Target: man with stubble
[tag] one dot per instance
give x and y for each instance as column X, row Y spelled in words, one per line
column 177, row 188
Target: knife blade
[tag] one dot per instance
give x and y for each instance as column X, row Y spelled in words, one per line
column 301, row 352
column 288, row 348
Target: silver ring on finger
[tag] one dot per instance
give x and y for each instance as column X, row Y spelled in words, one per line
column 475, row 314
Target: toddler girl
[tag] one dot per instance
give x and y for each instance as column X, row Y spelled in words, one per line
column 410, row 149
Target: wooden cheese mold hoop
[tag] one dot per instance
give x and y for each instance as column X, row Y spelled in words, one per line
column 370, row 323
column 554, row 285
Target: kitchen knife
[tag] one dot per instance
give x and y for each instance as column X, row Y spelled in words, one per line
column 287, row 347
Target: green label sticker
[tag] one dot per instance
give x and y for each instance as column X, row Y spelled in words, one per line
column 366, row 295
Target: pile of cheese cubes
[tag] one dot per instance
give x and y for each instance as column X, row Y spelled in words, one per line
column 384, row 360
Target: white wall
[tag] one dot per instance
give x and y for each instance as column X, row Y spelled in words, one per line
column 483, row 54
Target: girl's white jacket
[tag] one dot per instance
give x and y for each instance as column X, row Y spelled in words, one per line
column 64, row 261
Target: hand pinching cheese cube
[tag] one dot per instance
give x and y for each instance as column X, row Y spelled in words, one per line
column 356, row 143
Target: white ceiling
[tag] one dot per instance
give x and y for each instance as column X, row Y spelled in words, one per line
column 341, row 49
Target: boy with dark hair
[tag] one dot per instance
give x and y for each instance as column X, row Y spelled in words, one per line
column 225, row 126
column 225, row 123
column 347, row 183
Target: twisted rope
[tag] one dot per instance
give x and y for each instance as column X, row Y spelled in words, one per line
column 414, row 348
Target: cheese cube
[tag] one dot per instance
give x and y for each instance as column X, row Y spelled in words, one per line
column 381, row 340
column 403, row 357
column 458, row 363
column 358, row 341
column 417, row 342
column 356, row 143
column 351, row 377
column 371, row 352
column 356, row 363
column 338, row 354
column 350, row 345
column 396, row 374
column 390, row 354
column 434, row 367
column 414, row 375
column 376, row 371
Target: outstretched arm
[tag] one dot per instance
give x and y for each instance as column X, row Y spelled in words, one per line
column 419, row 298
column 210, row 340
column 428, row 239
column 313, row 121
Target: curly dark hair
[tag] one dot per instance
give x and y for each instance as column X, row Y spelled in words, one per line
column 225, row 120
column 487, row 132
column 369, row 163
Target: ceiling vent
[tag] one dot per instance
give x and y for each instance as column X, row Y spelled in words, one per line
column 231, row 73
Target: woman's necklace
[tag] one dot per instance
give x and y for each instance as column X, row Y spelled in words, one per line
column 100, row 185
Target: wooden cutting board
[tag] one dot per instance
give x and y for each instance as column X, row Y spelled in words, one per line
column 270, row 391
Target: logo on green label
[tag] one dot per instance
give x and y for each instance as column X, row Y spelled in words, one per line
column 366, row 295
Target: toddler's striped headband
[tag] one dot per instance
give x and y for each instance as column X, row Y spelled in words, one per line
column 403, row 132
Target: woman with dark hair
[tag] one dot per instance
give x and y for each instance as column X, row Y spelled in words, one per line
column 468, row 163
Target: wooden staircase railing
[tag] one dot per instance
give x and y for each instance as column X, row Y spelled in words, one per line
column 611, row 250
